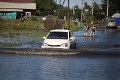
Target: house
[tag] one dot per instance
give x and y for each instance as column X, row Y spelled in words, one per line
column 16, row 9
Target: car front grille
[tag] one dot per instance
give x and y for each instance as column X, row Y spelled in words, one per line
column 54, row 45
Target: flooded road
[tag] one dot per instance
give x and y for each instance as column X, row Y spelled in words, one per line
column 75, row 67
column 104, row 39
column 85, row 66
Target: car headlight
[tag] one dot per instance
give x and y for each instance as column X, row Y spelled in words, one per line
column 45, row 44
column 64, row 45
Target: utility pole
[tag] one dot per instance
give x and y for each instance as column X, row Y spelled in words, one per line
column 107, row 8
column 82, row 10
column 49, row 7
column 60, row 2
column 68, row 14
column 92, row 7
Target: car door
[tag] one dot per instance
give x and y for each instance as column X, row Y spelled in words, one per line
column 72, row 39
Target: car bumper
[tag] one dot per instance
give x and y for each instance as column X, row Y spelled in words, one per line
column 111, row 26
column 55, row 47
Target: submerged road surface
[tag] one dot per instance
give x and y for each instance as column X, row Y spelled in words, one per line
column 95, row 58
column 68, row 67
column 105, row 41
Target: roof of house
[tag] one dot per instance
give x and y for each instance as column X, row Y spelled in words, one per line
column 8, row 6
column 116, row 15
column 19, row 1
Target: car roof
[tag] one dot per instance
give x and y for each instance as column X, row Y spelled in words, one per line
column 60, row 30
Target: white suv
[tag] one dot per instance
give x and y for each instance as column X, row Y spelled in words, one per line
column 60, row 38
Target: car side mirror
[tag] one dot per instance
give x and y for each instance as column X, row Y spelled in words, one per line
column 44, row 37
column 71, row 38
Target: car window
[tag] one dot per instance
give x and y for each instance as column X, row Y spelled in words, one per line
column 70, row 35
column 58, row 35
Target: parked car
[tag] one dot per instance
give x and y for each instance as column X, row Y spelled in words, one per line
column 60, row 38
column 112, row 24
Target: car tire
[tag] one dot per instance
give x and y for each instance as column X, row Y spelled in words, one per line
column 75, row 46
column 70, row 47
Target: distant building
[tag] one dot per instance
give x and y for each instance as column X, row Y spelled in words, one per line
column 17, row 1
column 16, row 9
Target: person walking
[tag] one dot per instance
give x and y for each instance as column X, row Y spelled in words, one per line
column 86, row 29
column 93, row 29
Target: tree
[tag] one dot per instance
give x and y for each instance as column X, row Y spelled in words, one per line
column 45, row 7
column 88, row 12
column 97, row 11
column 76, row 12
column 96, row 7
column 113, row 6
column 86, row 6
column 87, row 9
column 63, row 12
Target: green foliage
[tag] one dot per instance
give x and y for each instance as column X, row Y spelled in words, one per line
column 63, row 12
column 86, row 6
column 9, row 44
column 113, row 6
column 77, row 12
column 96, row 12
column 73, row 26
column 89, row 18
column 45, row 7
column 34, row 18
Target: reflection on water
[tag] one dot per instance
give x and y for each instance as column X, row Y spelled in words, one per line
column 36, row 67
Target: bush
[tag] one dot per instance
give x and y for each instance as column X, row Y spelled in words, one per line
column 34, row 18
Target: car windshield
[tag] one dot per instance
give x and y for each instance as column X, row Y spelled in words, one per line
column 58, row 35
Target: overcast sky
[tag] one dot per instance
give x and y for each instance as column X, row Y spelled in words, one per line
column 77, row 2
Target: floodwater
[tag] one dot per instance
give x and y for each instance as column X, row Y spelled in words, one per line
column 67, row 67
column 75, row 67
column 104, row 39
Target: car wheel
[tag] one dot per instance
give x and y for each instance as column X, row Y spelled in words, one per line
column 70, row 47
column 106, row 27
column 116, row 27
column 74, row 46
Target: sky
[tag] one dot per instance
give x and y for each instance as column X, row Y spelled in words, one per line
column 77, row 2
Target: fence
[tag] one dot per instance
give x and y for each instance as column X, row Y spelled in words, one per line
column 53, row 22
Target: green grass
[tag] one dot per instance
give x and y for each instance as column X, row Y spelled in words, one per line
column 16, row 29
column 9, row 44
column 73, row 26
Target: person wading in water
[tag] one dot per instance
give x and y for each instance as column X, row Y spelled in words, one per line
column 86, row 28
column 93, row 29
